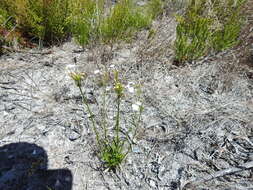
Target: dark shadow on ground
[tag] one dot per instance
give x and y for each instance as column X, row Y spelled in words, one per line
column 23, row 166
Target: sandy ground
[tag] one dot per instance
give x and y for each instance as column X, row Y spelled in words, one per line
column 197, row 119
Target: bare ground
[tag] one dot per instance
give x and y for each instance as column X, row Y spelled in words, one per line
column 197, row 120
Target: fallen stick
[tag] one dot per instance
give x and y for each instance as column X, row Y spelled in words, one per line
column 190, row 184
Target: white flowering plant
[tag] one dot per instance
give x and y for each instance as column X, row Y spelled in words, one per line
column 112, row 149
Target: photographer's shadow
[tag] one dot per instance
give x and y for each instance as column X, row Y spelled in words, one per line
column 23, row 166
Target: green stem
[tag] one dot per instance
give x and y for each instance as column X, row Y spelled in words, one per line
column 104, row 116
column 118, row 118
column 91, row 115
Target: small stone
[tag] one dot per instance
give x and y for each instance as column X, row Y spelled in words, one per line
column 152, row 183
column 72, row 135
column 136, row 150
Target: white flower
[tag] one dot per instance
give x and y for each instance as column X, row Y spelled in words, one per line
column 96, row 72
column 130, row 87
column 108, row 88
column 138, row 103
column 112, row 66
column 136, row 106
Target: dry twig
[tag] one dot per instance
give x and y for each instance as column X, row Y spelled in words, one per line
column 192, row 183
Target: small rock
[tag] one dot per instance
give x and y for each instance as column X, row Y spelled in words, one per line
column 152, row 183
column 72, row 136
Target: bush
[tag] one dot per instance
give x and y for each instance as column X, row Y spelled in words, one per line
column 192, row 34
column 124, row 19
column 85, row 19
column 55, row 17
column 155, row 8
column 6, row 26
column 42, row 19
column 192, row 37
column 229, row 18
column 6, row 20
column 207, row 27
column 227, row 36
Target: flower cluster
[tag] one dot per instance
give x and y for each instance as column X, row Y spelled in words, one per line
column 75, row 75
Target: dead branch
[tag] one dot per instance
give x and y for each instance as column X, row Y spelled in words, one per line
column 228, row 171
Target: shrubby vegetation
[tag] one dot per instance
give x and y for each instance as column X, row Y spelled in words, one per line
column 43, row 20
column 124, row 19
column 192, row 35
column 206, row 26
column 85, row 19
column 229, row 20
column 52, row 21
column 5, row 25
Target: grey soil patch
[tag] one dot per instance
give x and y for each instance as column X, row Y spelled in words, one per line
column 198, row 119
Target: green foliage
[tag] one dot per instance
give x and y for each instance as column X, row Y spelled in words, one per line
column 229, row 18
column 55, row 17
column 6, row 25
column 124, row 19
column 192, row 35
column 113, row 153
column 191, row 41
column 85, row 19
column 42, row 19
column 3, row 18
column 6, row 20
column 227, row 36
column 30, row 18
column 206, row 27
column 155, row 8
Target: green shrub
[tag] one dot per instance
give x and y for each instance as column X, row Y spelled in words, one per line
column 89, row 22
column 55, row 17
column 53, row 20
column 207, row 27
column 155, row 8
column 192, row 35
column 6, row 26
column 229, row 19
column 85, row 19
column 6, row 21
column 227, row 36
column 124, row 19
column 3, row 18
column 41, row 19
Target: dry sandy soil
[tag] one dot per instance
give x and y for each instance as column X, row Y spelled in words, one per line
column 197, row 126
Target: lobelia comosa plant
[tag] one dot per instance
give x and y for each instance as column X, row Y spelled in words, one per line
column 112, row 150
